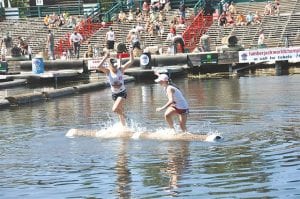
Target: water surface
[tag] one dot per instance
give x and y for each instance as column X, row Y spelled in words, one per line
column 259, row 118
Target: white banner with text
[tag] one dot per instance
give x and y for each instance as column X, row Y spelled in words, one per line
column 270, row 54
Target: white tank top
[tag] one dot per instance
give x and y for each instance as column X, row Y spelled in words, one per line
column 180, row 101
column 110, row 36
column 116, row 81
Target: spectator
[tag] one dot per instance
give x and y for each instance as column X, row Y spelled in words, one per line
column 130, row 16
column 205, row 43
column 181, row 22
column 240, row 19
column 122, row 17
column 232, row 8
column 46, row 21
column 268, row 8
column 6, row 45
column 139, row 28
column 257, row 18
column 182, row 8
column 50, row 45
column 230, row 20
column 169, row 40
column 225, row 5
column 110, row 39
column 167, row 6
column 71, row 23
column 75, row 40
column 173, row 28
column 277, row 6
column 22, row 44
column 133, row 39
column 146, row 8
column 137, row 11
column 161, row 16
column 178, row 40
column 222, row 20
column 161, row 29
column 261, row 40
column 89, row 52
column 153, row 16
column 249, row 18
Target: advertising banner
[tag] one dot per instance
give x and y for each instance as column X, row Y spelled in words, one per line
column 270, row 54
column 94, row 64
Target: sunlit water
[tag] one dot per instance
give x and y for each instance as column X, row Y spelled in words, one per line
column 259, row 157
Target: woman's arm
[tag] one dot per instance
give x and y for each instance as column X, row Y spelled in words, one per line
column 101, row 67
column 170, row 92
column 129, row 62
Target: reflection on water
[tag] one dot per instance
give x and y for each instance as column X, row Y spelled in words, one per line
column 259, row 118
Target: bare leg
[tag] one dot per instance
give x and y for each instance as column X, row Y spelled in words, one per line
column 118, row 108
column 169, row 117
column 182, row 122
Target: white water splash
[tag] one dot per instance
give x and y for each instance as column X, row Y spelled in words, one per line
column 213, row 136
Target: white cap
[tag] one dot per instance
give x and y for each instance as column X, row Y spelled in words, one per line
column 162, row 78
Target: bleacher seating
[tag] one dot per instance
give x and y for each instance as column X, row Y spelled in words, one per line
column 277, row 28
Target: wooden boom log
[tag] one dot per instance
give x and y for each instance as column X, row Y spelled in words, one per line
column 127, row 134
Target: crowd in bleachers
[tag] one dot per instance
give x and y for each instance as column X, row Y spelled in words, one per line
column 150, row 20
column 230, row 16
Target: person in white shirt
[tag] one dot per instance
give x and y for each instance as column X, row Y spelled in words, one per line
column 114, row 73
column 75, row 40
column 110, row 39
column 176, row 104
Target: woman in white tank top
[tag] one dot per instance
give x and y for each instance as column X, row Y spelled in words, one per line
column 114, row 73
column 176, row 105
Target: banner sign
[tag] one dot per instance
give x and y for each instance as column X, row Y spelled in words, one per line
column 210, row 58
column 270, row 54
column 93, row 64
column 39, row 2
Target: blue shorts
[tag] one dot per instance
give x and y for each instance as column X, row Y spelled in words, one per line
column 122, row 94
column 181, row 111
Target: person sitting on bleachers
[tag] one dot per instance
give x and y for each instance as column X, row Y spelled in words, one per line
column 137, row 11
column 230, row 20
column 257, row 18
column 249, row 18
column 46, row 20
column 52, row 20
column 261, row 40
column 139, row 18
column 277, row 6
column 22, row 44
column 181, row 22
column 161, row 16
column 146, row 8
column 232, row 8
column 161, row 29
column 240, row 19
column 60, row 21
column 268, row 8
column 139, row 28
column 222, row 21
column 153, row 16
column 122, row 17
column 155, row 5
column 151, row 29
column 90, row 51
column 167, row 6
column 71, row 22
column 134, row 40
column 130, row 16
column 173, row 28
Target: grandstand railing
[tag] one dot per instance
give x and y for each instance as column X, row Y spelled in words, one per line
column 196, row 29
